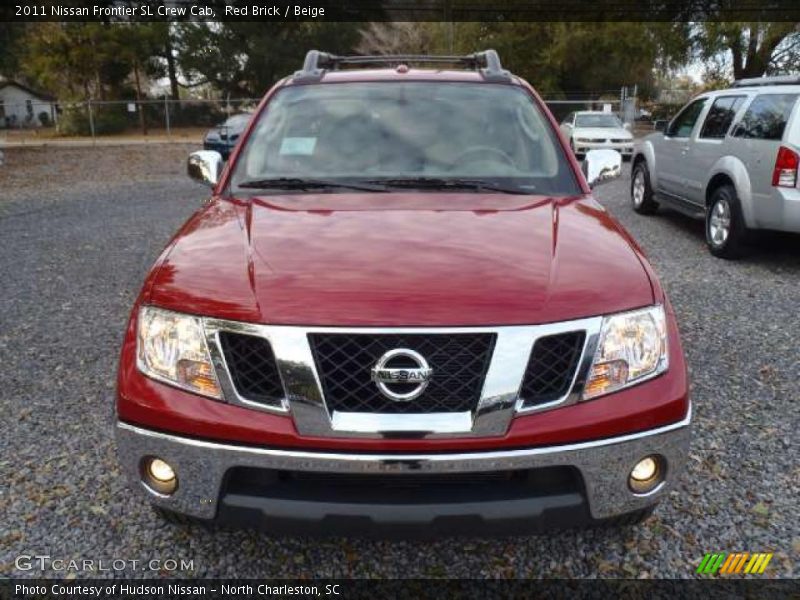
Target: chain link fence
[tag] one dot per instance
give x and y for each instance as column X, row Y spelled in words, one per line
column 561, row 108
column 624, row 104
column 166, row 120
column 643, row 116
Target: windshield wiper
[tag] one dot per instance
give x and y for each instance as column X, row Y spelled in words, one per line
column 298, row 183
column 440, row 183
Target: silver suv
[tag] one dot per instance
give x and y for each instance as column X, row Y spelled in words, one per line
column 730, row 157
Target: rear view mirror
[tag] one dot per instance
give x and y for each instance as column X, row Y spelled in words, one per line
column 601, row 166
column 205, row 166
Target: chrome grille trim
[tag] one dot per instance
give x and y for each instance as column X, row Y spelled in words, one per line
column 499, row 400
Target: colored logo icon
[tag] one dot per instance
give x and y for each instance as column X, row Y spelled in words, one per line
column 724, row 563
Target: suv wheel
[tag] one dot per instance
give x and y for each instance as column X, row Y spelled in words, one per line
column 641, row 190
column 726, row 234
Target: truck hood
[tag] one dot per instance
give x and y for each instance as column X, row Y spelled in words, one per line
column 401, row 260
column 617, row 133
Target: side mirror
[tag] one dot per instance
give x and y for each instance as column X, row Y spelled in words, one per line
column 205, row 166
column 660, row 125
column 627, row 126
column 601, row 166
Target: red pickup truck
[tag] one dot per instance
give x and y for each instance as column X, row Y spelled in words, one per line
column 402, row 310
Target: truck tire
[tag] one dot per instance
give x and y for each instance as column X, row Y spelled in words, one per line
column 726, row 233
column 642, row 198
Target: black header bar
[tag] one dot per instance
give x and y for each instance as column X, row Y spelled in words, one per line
column 412, row 589
column 400, row 10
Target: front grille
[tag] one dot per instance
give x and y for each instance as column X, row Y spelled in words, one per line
column 252, row 367
column 551, row 367
column 459, row 362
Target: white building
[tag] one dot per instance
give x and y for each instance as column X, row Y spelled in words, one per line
column 20, row 106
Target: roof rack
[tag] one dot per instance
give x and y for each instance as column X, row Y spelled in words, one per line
column 775, row 80
column 487, row 63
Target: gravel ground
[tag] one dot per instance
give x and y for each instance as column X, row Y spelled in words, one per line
column 73, row 258
column 45, row 172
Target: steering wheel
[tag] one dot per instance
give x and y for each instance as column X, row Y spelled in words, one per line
column 483, row 150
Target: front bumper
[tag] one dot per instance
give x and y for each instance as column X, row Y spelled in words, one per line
column 203, row 470
column 624, row 148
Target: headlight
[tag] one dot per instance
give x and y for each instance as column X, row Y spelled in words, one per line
column 172, row 348
column 582, row 140
column 632, row 347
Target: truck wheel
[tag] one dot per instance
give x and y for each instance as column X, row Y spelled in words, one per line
column 726, row 233
column 641, row 190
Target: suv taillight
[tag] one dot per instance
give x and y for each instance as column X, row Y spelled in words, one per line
column 785, row 173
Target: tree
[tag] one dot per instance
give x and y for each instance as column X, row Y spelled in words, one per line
column 751, row 49
column 77, row 60
column 246, row 58
column 137, row 45
column 395, row 38
column 555, row 57
column 171, row 60
column 93, row 60
column 10, row 36
column 162, row 34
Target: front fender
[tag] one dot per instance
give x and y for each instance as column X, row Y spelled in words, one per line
column 735, row 170
column 645, row 148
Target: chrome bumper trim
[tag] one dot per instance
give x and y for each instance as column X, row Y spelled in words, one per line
column 604, row 464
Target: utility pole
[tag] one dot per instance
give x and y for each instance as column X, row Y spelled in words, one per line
column 166, row 114
column 142, row 121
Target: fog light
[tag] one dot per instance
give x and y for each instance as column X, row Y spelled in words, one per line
column 161, row 470
column 644, row 469
column 159, row 476
column 646, row 475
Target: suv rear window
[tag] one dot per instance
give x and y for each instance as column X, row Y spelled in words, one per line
column 372, row 131
column 720, row 116
column 766, row 117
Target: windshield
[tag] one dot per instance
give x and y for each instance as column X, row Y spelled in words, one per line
column 237, row 121
column 598, row 120
column 392, row 133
